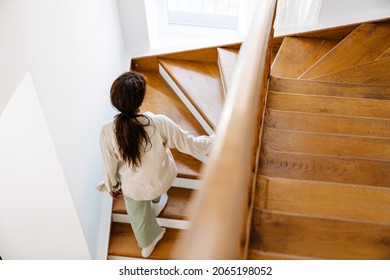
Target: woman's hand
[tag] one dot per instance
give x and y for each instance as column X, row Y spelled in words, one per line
column 116, row 194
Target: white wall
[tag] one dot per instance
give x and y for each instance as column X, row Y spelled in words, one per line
column 73, row 50
column 38, row 218
column 134, row 26
column 332, row 13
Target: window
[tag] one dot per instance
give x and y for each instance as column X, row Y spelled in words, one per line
column 207, row 13
column 183, row 22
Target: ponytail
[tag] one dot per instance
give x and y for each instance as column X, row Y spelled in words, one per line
column 127, row 94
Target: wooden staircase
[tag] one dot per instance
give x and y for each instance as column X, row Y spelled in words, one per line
column 323, row 182
column 187, row 88
column 324, row 175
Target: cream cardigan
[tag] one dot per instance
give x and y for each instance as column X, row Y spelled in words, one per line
column 158, row 168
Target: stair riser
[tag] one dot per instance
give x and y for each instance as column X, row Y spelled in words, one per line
column 375, row 73
column 325, row 169
column 167, row 223
column 319, row 238
column 296, row 55
column 328, row 124
column 322, row 199
column 355, row 107
column 327, row 145
column 353, row 50
column 330, row 88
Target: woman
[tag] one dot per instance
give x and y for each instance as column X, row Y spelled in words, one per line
column 137, row 160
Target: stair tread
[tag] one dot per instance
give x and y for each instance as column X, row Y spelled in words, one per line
column 187, row 166
column 124, row 244
column 325, row 199
column 177, row 206
column 261, row 255
column 342, row 106
column 201, row 83
column 227, row 60
column 325, row 168
column 321, row 123
column 376, row 72
column 352, row 50
column 297, row 54
column 313, row 87
column 160, row 99
column 318, row 237
column 384, row 55
column 150, row 63
column 344, row 146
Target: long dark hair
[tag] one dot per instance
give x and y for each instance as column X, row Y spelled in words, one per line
column 127, row 94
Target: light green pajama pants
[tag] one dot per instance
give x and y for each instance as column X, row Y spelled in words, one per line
column 143, row 221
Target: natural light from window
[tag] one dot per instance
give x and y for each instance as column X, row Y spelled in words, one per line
column 208, row 13
column 174, row 22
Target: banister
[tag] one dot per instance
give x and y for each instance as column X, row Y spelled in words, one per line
column 221, row 209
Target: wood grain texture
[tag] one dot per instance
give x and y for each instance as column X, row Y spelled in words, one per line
column 330, row 88
column 261, row 255
column 150, row 63
column 327, row 144
column 160, row 99
column 211, row 235
column 179, row 200
column 329, row 124
column 376, row 72
column 323, row 199
column 124, row 244
column 325, row 168
column 187, row 166
column 352, row 51
column 227, row 61
column 319, row 237
column 297, row 54
column 356, row 107
column 201, row 83
column 384, row 55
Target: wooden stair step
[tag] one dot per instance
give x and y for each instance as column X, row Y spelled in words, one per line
column 343, row 106
column 377, row 72
column 297, row 54
column 124, row 244
column 324, row 199
column 200, row 82
column 312, row 87
column 327, row 144
column 187, row 166
column 150, row 63
column 352, row 50
column 317, row 237
column 227, row 61
column 325, row 168
column 331, row 124
column 177, row 206
column 261, row 255
column 160, row 99
column 384, row 55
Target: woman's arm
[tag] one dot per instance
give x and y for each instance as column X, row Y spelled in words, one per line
column 110, row 165
column 182, row 140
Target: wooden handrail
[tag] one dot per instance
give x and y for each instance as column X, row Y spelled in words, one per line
column 222, row 207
